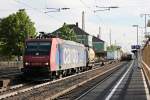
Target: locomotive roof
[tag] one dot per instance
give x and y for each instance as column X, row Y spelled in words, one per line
column 39, row 39
column 49, row 39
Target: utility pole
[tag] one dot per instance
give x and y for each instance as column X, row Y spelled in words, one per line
column 137, row 29
column 115, row 43
column 110, row 36
column 83, row 21
column 99, row 35
column 137, row 53
column 145, row 16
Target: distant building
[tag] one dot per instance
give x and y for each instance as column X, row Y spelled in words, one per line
column 114, row 52
column 82, row 36
column 98, row 46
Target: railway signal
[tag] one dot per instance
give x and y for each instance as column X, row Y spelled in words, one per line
column 135, row 46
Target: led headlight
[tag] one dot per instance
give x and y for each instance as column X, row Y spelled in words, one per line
column 26, row 63
column 46, row 63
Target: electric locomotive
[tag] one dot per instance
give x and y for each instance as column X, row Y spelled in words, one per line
column 54, row 57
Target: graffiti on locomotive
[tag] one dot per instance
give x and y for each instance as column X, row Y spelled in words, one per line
column 70, row 55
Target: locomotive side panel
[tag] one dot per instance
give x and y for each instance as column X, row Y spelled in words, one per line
column 72, row 56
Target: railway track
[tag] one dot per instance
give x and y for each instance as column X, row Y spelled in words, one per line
column 21, row 85
column 8, row 70
column 50, row 89
column 11, row 76
column 82, row 91
column 8, row 76
column 127, row 83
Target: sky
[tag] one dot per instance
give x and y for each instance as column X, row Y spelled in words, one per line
column 119, row 21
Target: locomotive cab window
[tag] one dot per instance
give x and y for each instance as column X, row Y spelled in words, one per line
column 37, row 48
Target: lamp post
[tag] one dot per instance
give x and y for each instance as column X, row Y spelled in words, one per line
column 145, row 16
column 137, row 53
column 137, row 27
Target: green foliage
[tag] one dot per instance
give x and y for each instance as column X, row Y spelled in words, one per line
column 14, row 29
column 66, row 33
column 113, row 48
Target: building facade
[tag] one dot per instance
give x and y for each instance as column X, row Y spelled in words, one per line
column 86, row 39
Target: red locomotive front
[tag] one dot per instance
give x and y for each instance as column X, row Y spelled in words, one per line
column 37, row 56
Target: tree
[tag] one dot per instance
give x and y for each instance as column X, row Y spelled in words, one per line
column 113, row 48
column 67, row 33
column 14, row 29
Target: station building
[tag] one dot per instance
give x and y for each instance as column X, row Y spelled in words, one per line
column 85, row 38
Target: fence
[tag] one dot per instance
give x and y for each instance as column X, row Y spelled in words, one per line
column 146, row 54
column 146, row 60
column 11, row 64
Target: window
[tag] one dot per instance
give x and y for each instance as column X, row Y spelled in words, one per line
column 37, row 48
